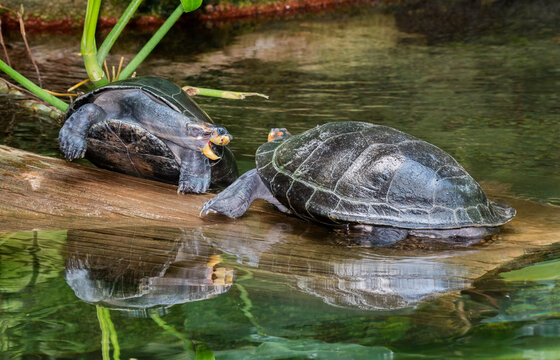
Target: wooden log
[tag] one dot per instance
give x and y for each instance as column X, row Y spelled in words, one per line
column 117, row 216
column 38, row 192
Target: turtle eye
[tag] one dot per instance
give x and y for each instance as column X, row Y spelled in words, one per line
column 197, row 131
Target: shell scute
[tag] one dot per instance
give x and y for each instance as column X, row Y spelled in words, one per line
column 458, row 193
column 485, row 212
column 298, row 195
column 279, row 186
column 411, row 186
column 357, row 211
column 440, row 214
column 290, row 156
column 321, row 204
column 462, row 216
column 474, row 214
column 331, row 166
column 450, row 171
column 370, row 174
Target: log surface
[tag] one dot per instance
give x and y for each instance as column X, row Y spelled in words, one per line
column 38, row 192
column 117, row 214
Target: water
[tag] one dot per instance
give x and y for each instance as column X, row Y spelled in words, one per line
column 482, row 85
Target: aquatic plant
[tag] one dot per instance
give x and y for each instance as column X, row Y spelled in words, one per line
column 94, row 58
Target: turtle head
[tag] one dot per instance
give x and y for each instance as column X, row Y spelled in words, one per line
column 278, row 133
column 202, row 136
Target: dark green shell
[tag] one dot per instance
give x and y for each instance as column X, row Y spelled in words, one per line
column 371, row 174
column 163, row 90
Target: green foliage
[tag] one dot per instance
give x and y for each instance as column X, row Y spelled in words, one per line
column 190, row 5
column 202, row 353
column 89, row 47
column 42, row 94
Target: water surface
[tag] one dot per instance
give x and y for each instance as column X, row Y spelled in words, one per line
column 484, row 90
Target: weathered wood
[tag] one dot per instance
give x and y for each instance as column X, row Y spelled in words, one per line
column 116, row 217
column 38, row 192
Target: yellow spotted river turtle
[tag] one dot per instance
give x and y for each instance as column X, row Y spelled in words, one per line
column 148, row 127
column 366, row 176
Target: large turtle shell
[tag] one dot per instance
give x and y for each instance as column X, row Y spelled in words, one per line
column 354, row 172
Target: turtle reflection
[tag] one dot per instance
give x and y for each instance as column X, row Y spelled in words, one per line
column 369, row 279
column 382, row 283
column 135, row 269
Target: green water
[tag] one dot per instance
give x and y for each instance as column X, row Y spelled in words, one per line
column 483, row 84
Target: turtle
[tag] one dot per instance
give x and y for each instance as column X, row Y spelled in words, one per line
column 148, row 127
column 384, row 182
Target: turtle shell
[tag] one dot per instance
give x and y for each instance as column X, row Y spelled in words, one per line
column 355, row 172
column 161, row 89
column 124, row 146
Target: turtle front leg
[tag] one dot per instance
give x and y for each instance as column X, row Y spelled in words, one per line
column 195, row 172
column 236, row 198
column 72, row 136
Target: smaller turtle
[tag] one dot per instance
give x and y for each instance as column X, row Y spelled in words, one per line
column 148, row 127
column 365, row 176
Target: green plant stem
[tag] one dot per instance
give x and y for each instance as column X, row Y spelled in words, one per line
column 172, row 331
column 109, row 41
column 104, row 333
column 151, row 44
column 247, row 303
column 88, row 46
column 26, row 83
column 108, row 332
column 224, row 94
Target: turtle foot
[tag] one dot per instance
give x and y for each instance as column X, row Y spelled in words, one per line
column 193, row 185
column 223, row 205
column 73, row 146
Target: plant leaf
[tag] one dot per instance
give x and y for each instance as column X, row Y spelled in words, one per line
column 191, row 5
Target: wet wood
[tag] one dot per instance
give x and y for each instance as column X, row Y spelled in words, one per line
column 38, row 192
column 123, row 219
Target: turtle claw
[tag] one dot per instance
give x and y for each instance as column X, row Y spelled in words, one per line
column 72, row 146
column 214, row 206
column 193, row 185
column 206, row 210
